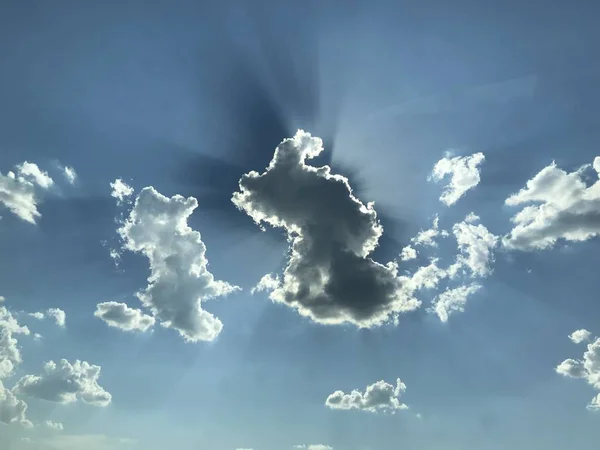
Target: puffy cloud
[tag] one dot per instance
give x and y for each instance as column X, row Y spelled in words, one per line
column 427, row 238
column 65, row 383
column 579, row 336
column 120, row 190
column 58, row 315
column 37, row 315
column 559, row 206
column 464, row 175
column 408, row 253
column 12, row 410
column 179, row 281
column 19, row 191
column 587, row 368
column 314, row 447
column 426, row 277
column 70, row 174
column 329, row 275
column 54, row 425
column 452, row 300
column 10, row 356
column 379, row 396
column 119, row 315
column 475, row 244
column 268, row 282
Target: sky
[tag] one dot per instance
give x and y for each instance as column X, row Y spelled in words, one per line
column 299, row 225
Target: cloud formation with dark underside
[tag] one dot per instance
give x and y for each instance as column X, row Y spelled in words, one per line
column 557, row 205
column 179, row 281
column 119, row 315
column 329, row 275
column 378, row 397
column 65, row 383
column 587, row 368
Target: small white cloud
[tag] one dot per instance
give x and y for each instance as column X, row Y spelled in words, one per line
column 58, row 315
column 20, row 192
column 65, row 383
column 587, row 368
column 426, row 277
column 452, row 300
column 379, row 396
column 57, row 426
column 115, row 256
column 427, row 238
column 37, row 315
column 180, row 280
column 464, row 175
column 70, row 174
column 120, row 190
column 329, row 276
column 579, row 336
column 559, row 206
column 408, row 253
column 314, row 447
column 268, row 282
column 119, row 315
column 475, row 244
column 34, row 174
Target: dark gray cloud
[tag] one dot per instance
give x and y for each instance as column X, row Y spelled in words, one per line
column 329, row 276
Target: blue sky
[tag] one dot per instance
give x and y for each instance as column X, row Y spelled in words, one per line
column 190, row 97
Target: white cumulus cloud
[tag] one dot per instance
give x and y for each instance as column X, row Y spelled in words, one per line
column 427, row 237
column 65, row 383
column 58, row 315
column 314, row 447
column 379, row 396
column 19, row 192
column 475, row 245
column 10, row 355
column 119, row 315
column 12, row 409
column 179, row 281
column 120, row 190
column 587, row 368
column 329, row 275
column 54, row 425
column 559, row 205
column 579, row 336
column 452, row 300
column 463, row 172
column 408, row 253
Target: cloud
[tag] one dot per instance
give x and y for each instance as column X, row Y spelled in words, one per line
column 70, row 174
column 57, row 426
column 60, row 441
column 19, row 191
column 329, row 276
column 119, row 315
column 12, row 410
column 179, row 281
column 587, row 368
column 579, row 336
column 559, row 206
column 120, row 190
column 452, row 300
column 268, row 282
column 427, row 238
column 408, row 253
column 58, row 315
column 426, row 277
column 379, row 396
column 475, row 244
column 464, row 175
column 314, row 447
column 65, row 383
column 10, row 356
column 37, row 315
